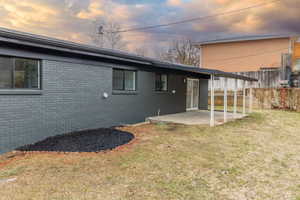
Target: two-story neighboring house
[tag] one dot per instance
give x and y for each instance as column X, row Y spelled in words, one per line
column 251, row 54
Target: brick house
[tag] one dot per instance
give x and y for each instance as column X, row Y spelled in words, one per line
column 50, row 87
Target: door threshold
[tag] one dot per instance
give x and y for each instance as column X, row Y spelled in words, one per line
column 195, row 109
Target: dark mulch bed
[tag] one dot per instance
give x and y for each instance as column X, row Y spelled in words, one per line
column 84, row 141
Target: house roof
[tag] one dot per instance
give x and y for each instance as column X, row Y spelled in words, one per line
column 243, row 38
column 37, row 41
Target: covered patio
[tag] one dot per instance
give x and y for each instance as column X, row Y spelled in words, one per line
column 211, row 116
column 196, row 117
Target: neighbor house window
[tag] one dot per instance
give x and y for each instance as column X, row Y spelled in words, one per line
column 161, row 82
column 124, row 80
column 19, row 73
column 297, row 64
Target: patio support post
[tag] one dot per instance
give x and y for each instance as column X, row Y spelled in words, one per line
column 212, row 100
column 225, row 100
column 251, row 98
column 244, row 98
column 235, row 99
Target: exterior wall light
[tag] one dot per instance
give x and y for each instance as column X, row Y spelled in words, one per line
column 105, row 95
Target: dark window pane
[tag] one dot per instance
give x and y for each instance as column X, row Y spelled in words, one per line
column 157, row 82
column 161, row 82
column 26, row 73
column 6, row 73
column 297, row 64
column 118, row 79
column 164, row 82
column 130, row 80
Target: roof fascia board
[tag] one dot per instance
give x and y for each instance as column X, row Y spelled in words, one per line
column 31, row 40
column 42, row 40
column 204, row 71
column 235, row 76
column 20, row 42
column 239, row 40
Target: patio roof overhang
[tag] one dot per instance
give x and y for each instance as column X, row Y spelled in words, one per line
column 20, row 39
column 196, row 70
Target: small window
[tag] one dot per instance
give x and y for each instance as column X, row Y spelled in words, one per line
column 161, row 82
column 6, row 73
column 19, row 73
column 124, row 80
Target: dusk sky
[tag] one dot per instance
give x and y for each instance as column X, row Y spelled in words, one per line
column 73, row 19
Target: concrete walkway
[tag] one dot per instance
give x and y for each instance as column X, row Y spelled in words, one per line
column 198, row 117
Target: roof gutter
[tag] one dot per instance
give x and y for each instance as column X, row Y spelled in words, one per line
column 196, row 70
column 27, row 39
column 21, row 38
column 230, row 40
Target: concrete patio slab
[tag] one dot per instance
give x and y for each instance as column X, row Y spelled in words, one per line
column 198, row 117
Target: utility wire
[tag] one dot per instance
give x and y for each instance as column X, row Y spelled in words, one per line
column 196, row 18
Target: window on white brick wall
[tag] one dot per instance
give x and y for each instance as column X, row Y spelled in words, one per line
column 19, row 73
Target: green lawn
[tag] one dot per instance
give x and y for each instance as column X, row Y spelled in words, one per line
column 229, row 109
column 254, row 158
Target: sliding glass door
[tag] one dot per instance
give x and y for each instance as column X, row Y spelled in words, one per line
column 192, row 96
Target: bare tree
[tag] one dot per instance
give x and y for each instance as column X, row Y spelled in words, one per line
column 141, row 51
column 105, row 34
column 114, row 38
column 182, row 51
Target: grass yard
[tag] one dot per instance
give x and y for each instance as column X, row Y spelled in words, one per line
column 254, row 158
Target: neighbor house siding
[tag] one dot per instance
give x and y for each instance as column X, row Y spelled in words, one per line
column 72, row 100
column 244, row 56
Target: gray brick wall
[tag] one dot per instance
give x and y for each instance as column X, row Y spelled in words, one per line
column 72, row 100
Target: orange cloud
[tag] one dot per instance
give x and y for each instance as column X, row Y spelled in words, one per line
column 222, row 1
column 94, row 10
column 264, row 18
column 62, row 21
column 40, row 18
column 72, row 19
column 174, row 2
column 28, row 13
column 121, row 12
column 250, row 23
column 101, row 8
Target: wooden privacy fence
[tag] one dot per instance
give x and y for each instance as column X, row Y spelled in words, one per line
column 283, row 98
column 267, row 78
column 219, row 98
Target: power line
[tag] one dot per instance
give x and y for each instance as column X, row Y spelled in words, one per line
column 195, row 19
column 153, row 33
